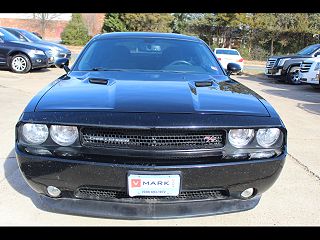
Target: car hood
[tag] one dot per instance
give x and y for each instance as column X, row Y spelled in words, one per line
column 290, row 56
column 29, row 45
column 55, row 45
column 151, row 92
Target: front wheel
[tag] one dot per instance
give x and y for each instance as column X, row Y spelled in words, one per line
column 20, row 63
column 293, row 76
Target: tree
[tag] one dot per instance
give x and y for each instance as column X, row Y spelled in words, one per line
column 113, row 22
column 139, row 22
column 180, row 22
column 44, row 19
column 75, row 32
column 203, row 26
column 148, row 22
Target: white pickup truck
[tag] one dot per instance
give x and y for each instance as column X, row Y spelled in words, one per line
column 310, row 72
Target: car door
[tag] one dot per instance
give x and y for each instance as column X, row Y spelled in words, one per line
column 3, row 51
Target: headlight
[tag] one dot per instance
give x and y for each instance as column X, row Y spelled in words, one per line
column 64, row 135
column 35, row 133
column 282, row 61
column 55, row 51
column 266, row 137
column 240, row 137
column 317, row 67
column 38, row 52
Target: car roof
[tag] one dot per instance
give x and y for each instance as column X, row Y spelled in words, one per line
column 16, row 29
column 225, row 49
column 147, row 34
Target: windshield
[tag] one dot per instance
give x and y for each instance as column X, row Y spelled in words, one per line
column 148, row 54
column 227, row 51
column 32, row 37
column 308, row 50
column 6, row 36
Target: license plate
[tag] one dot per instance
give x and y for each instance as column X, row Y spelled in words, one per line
column 153, row 185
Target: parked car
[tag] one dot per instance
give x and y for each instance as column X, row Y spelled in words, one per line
column 286, row 68
column 21, row 57
column 227, row 55
column 310, row 71
column 58, row 51
column 149, row 125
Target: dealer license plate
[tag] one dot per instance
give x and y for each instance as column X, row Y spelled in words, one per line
column 153, row 185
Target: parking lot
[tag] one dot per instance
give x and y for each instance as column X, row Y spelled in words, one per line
column 293, row 199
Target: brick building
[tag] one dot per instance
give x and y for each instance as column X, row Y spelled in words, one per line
column 54, row 26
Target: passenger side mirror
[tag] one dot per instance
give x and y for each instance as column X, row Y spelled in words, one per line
column 233, row 68
column 63, row 63
column 317, row 54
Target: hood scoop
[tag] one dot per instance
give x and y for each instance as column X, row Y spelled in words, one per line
column 203, row 84
column 98, row 81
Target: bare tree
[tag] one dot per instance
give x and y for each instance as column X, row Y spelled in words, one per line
column 44, row 19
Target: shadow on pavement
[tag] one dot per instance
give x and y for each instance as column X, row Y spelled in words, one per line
column 17, row 182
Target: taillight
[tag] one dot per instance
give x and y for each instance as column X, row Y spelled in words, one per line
column 240, row 60
column 219, row 59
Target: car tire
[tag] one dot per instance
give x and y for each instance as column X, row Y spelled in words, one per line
column 293, row 76
column 20, row 63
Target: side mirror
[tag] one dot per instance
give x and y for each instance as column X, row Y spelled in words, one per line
column 63, row 63
column 233, row 68
column 1, row 40
column 317, row 54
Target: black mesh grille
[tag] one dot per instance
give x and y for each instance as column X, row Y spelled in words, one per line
column 104, row 194
column 152, row 139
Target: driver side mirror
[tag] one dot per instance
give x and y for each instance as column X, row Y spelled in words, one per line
column 63, row 63
column 233, row 68
column 317, row 54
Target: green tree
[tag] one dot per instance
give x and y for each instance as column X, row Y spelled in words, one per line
column 113, row 22
column 202, row 25
column 181, row 22
column 148, row 22
column 75, row 33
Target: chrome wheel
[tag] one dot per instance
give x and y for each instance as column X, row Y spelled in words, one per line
column 19, row 64
column 294, row 76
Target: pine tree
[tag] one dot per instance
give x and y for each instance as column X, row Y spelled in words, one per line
column 75, row 32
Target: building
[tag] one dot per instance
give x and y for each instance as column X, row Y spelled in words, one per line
column 50, row 25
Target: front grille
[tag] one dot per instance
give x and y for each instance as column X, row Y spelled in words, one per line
column 105, row 194
column 270, row 63
column 305, row 67
column 152, row 139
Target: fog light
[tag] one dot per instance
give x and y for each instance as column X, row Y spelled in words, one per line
column 53, row 191
column 266, row 154
column 247, row 193
column 39, row 60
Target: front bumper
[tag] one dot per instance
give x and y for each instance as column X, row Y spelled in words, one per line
column 70, row 175
column 40, row 61
column 274, row 72
column 309, row 78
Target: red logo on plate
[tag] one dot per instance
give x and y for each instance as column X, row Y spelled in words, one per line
column 135, row 183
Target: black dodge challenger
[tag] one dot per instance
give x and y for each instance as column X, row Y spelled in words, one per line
column 149, row 126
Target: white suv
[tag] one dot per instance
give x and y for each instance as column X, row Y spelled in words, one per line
column 310, row 72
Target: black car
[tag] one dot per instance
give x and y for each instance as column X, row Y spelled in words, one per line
column 286, row 68
column 21, row 57
column 149, row 125
column 58, row 51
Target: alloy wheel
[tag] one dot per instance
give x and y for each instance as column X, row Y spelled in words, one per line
column 19, row 64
